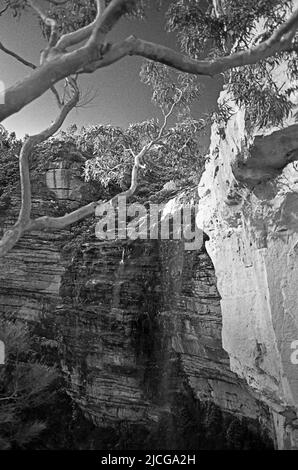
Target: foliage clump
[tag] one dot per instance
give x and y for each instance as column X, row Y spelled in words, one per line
column 202, row 31
column 9, row 176
column 107, row 152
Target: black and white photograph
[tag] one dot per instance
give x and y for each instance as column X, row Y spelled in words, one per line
column 148, row 231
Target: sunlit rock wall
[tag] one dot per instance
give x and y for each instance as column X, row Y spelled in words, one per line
column 249, row 209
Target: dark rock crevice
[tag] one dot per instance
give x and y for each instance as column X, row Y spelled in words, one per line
column 266, row 156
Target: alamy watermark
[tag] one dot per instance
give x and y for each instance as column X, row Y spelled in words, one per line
column 157, row 221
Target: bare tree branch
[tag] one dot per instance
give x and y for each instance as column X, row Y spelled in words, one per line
column 11, row 237
column 289, row 27
column 32, row 66
column 174, row 59
column 138, row 159
column 75, row 37
column 104, row 21
column 58, row 223
column 41, row 79
column 17, row 57
column 93, row 56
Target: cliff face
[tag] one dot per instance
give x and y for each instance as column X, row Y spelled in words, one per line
column 137, row 329
column 249, row 208
column 143, row 345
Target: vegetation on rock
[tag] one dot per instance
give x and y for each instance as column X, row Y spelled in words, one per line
column 25, row 387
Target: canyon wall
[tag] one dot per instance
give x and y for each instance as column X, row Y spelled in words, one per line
column 136, row 328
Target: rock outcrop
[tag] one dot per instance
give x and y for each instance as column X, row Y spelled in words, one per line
column 249, row 209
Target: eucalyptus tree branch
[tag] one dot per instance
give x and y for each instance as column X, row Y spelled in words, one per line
column 93, row 56
column 101, row 4
column 76, row 37
column 287, row 29
column 31, row 66
column 105, row 20
column 108, row 19
column 134, row 175
column 17, row 57
column 138, row 158
column 59, row 223
column 55, row 70
column 171, row 58
column 11, row 237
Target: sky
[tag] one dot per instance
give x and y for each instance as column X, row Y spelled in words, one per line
column 120, row 99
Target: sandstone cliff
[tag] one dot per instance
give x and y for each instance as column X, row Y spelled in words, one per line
column 249, row 208
column 137, row 330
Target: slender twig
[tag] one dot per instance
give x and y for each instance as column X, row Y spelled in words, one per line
column 17, row 57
